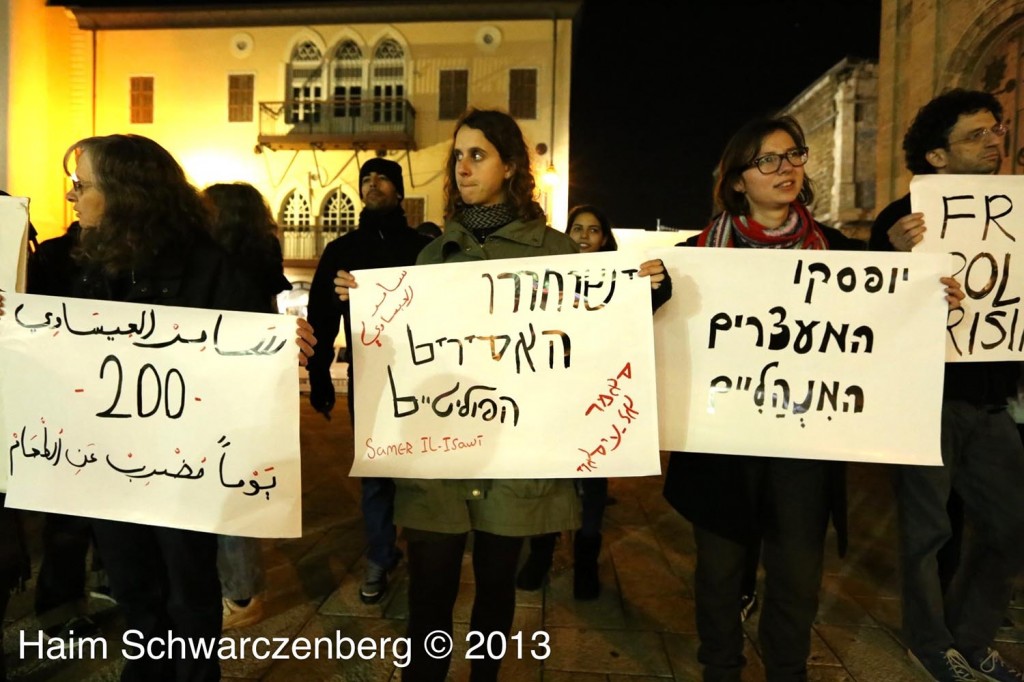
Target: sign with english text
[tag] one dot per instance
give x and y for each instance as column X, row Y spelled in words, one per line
column 517, row 368
column 979, row 220
column 166, row 416
column 802, row 354
column 13, row 243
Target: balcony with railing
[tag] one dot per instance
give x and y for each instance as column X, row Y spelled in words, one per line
column 302, row 245
column 373, row 123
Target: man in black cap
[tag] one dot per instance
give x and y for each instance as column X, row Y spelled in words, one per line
column 383, row 239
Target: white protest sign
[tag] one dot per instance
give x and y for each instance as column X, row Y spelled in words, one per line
column 13, row 243
column 974, row 218
column 176, row 417
column 516, row 368
column 802, row 354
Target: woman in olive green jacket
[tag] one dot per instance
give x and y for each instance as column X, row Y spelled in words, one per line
column 490, row 214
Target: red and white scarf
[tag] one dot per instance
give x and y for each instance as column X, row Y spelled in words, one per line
column 800, row 231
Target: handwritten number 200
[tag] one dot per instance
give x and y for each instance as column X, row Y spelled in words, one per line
column 163, row 391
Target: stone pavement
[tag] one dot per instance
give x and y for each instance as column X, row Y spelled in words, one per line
column 640, row 630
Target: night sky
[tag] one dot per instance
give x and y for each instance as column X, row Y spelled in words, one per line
column 658, row 88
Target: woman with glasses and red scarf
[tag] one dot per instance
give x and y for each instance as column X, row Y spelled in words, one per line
column 762, row 195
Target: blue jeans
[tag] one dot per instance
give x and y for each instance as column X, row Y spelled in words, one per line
column 240, row 566
column 378, row 507
column 983, row 461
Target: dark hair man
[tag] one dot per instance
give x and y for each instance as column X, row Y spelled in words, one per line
column 950, row 633
column 383, row 239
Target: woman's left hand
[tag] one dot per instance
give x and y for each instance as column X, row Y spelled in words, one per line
column 306, row 341
column 654, row 269
column 954, row 292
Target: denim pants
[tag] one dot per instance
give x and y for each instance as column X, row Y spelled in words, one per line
column 240, row 566
column 983, row 461
column 794, row 509
column 378, row 507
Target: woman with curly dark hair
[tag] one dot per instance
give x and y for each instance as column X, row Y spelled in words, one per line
column 145, row 239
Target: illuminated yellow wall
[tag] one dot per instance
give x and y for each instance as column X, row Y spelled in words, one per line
column 48, row 108
column 191, row 67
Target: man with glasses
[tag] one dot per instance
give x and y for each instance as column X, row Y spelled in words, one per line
column 949, row 632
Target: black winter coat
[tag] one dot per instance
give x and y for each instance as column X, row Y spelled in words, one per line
column 721, row 492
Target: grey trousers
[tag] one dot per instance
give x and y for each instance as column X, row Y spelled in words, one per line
column 983, row 461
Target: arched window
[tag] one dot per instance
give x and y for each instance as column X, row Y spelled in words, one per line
column 337, row 216
column 387, row 80
column 347, row 79
column 306, row 82
column 296, row 224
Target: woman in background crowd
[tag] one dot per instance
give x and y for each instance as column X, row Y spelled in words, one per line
column 241, row 222
column 590, row 228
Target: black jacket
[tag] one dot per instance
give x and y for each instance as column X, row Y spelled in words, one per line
column 979, row 383
column 196, row 276
column 724, row 493
column 382, row 240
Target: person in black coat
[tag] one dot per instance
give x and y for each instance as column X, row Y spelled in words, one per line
column 145, row 239
column 762, row 194
column 382, row 240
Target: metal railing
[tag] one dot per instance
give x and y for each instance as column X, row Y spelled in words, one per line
column 337, row 122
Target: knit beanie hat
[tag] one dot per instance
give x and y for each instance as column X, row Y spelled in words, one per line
column 389, row 169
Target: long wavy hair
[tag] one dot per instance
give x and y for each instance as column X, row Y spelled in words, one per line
column 606, row 226
column 739, row 153
column 149, row 205
column 502, row 131
column 241, row 220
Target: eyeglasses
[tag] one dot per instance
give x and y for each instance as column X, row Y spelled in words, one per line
column 980, row 134
column 78, row 185
column 771, row 163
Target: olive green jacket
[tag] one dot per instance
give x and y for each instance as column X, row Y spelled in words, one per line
column 515, row 507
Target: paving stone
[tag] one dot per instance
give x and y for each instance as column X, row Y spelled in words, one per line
column 666, row 613
column 837, row 607
column 329, row 662
column 610, row 651
column 869, row 653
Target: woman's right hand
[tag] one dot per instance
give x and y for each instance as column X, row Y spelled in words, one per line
column 343, row 281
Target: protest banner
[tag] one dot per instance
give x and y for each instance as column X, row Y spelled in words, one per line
column 973, row 218
column 177, row 417
column 802, row 354
column 13, row 242
column 517, row 368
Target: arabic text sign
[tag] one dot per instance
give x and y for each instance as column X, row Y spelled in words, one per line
column 803, row 354
column 13, row 242
column 175, row 417
column 979, row 219
column 518, row 368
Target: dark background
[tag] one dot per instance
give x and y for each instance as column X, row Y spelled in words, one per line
column 658, row 88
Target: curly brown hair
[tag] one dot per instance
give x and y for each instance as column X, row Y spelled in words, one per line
column 502, row 131
column 149, row 205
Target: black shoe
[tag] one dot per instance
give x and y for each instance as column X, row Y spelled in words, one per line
column 533, row 573
column 69, row 634
column 375, row 583
column 586, row 582
column 944, row 666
